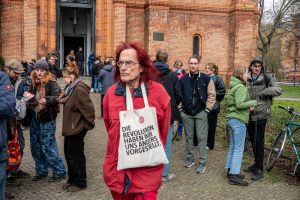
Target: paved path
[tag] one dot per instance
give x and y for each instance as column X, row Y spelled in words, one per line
column 287, row 98
column 187, row 185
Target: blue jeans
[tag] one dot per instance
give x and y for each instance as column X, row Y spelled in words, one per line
column 237, row 131
column 44, row 148
column 97, row 84
column 2, row 178
column 90, row 66
column 168, row 149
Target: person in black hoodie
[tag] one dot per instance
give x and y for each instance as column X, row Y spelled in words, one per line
column 171, row 84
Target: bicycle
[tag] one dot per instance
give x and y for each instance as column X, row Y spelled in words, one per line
column 278, row 145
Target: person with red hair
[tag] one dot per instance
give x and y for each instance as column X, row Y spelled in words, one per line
column 133, row 67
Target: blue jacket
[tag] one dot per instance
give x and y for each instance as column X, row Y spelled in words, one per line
column 106, row 77
column 7, row 107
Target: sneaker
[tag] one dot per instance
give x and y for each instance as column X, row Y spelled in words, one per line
column 20, row 174
column 189, row 163
column 56, row 178
column 92, row 90
column 250, row 169
column 74, row 188
column 170, row 177
column 66, row 185
column 234, row 179
column 201, row 168
column 257, row 175
column 39, row 177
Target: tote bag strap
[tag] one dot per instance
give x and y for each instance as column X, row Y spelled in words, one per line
column 145, row 95
column 129, row 103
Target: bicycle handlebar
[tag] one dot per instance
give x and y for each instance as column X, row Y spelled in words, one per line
column 290, row 110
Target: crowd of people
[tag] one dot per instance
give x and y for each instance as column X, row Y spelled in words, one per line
column 31, row 97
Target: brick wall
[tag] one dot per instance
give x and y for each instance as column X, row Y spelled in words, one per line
column 11, row 29
column 228, row 28
column 30, row 29
column 135, row 25
column 119, row 23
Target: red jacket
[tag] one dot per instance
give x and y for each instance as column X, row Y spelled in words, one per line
column 141, row 179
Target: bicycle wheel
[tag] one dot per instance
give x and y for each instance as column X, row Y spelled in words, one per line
column 276, row 150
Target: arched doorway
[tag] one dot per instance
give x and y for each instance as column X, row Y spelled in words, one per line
column 75, row 27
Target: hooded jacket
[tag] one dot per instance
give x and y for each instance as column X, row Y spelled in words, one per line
column 79, row 112
column 262, row 90
column 171, row 83
column 106, row 77
column 239, row 101
column 142, row 179
column 7, row 107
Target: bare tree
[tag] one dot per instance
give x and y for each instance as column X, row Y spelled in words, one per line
column 280, row 19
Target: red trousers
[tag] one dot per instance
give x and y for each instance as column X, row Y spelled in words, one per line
column 135, row 196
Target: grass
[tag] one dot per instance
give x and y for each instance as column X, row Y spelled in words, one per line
column 290, row 91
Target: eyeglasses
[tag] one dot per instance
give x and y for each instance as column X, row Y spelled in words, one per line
column 128, row 63
column 193, row 63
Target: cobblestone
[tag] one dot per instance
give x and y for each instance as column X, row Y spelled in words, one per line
column 187, row 185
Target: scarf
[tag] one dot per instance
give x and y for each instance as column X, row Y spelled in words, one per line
column 42, row 93
column 68, row 92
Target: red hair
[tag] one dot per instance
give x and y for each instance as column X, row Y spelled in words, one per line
column 150, row 72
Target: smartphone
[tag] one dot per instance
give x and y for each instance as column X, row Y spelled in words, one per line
column 27, row 96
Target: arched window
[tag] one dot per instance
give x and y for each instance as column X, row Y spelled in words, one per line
column 196, row 45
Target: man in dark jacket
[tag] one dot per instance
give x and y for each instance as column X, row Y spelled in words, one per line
column 51, row 58
column 19, row 80
column 199, row 97
column 261, row 88
column 7, row 107
column 172, row 85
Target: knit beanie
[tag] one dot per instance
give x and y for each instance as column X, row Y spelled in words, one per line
column 41, row 64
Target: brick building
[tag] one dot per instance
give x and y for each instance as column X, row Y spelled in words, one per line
column 223, row 31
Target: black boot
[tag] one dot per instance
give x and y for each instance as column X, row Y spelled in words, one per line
column 234, row 179
column 257, row 175
column 240, row 175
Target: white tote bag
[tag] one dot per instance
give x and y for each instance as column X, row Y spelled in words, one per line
column 140, row 145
